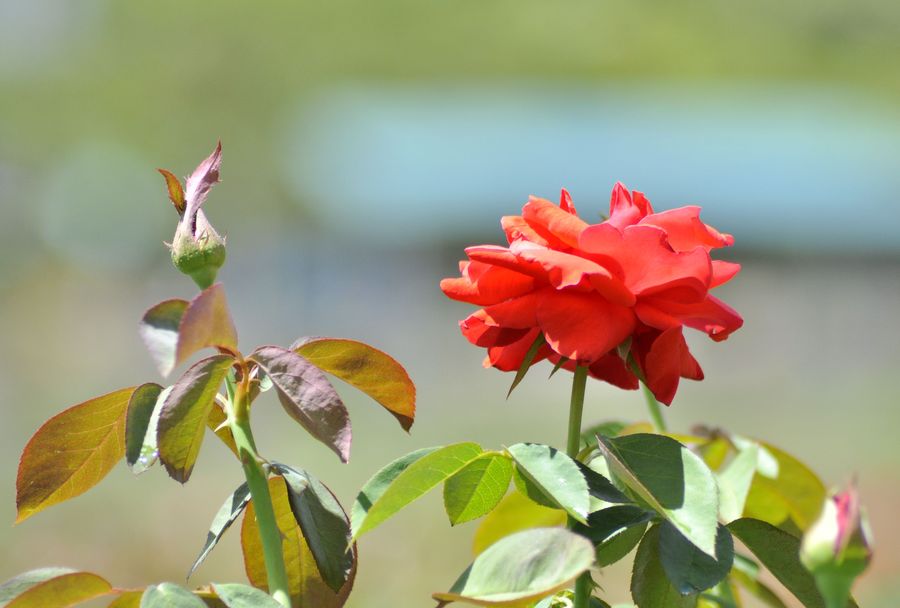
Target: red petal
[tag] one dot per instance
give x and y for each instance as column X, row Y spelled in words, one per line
column 483, row 284
column 624, row 210
column 504, row 258
column 559, row 227
column 517, row 228
column 722, row 272
column 510, row 357
column 712, row 315
column 649, row 264
column 667, row 361
column 686, row 231
column 611, row 368
column 480, row 332
column 582, row 326
column 565, row 202
column 567, row 270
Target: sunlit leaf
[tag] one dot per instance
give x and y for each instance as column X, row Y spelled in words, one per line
column 650, row 587
column 141, row 424
column 170, row 595
column 370, row 370
column 602, row 491
column 555, row 475
column 306, row 586
column 215, row 421
column 527, row 362
column 235, row 595
column 610, row 428
column 227, row 514
column 734, row 483
column 159, row 331
column 182, row 422
column 688, row 568
column 779, row 552
column 51, row 587
column 412, row 483
column 671, row 480
column 478, row 488
column 514, row 513
column 783, row 488
column 325, row 526
column 206, row 324
column 71, row 452
column 522, row 567
column 308, row 397
column 130, row 598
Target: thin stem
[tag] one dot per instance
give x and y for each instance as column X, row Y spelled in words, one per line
column 573, row 446
column 659, row 422
column 262, row 500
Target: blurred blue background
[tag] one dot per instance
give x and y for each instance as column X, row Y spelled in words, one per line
column 365, row 143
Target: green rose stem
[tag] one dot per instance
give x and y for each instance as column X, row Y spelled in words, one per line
column 573, row 446
column 659, row 424
column 257, row 481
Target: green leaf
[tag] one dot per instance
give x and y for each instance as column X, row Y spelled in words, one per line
column 734, row 483
column 688, row 568
column 780, row 553
column 671, row 480
column 71, row 453
column 235, row 595
column 182, row 421
column 746, row 573
column 610, row 428
column 368, row 369
column 170, row 595
column 783, row 488
column 615, row 531
column 413, row 482
column 307, row 396
column 650, row 587
column 478, row 488
column 323, row 522
column 56, row 587
column 226, row 515
column 206, row 324
column 522, row 567
column 555, row 476
column 216, row 423
column 141, row 452
column 527, row 362
column 375, row 487
column 602, row 491
column 306, row 585
column 159, row 331
column 514, row 513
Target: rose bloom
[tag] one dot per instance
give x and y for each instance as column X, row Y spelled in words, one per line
column 612, row 296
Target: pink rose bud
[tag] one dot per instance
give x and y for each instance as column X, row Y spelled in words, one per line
column 197, row 249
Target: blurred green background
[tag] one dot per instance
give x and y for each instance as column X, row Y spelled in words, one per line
column 365, row 143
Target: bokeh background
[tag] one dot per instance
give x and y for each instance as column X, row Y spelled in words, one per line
column 365, row 143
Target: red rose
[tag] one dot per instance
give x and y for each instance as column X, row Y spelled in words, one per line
column 599, row 292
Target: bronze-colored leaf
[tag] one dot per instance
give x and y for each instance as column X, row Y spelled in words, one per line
column 71, row 452
column 48, row 587
column 176, row 193
column 206, row 323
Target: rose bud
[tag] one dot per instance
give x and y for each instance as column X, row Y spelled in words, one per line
column 197, row 249
column 837, row 547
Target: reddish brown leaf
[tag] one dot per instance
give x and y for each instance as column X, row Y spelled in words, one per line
column 176, row 194
column 370, row 370
column 307, row 396
column 71, row 452
column 206, row 323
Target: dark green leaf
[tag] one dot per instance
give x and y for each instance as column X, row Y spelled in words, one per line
column 620, row 545
column 206, row 323
column 71, row 452
column 170, row 595
column 323, row 522
column 601, row 489
column 527, row 362
column 522, row 567
column 562, row 361
column 555, row 476
column 780, row 553
column 307, row 396
column 478, row 488
column 650, row 587
column 159, row 330
column 368, row 369
column 182, row 421
column 235, row 595
column 615, row 531
column 51, row 587
column 141, row 425
column 671, row 480
column 227, row 514
column 688, row 568
column 414, row 481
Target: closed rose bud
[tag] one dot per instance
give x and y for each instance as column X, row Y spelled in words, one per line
column 837, row 547
column 197, row 249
